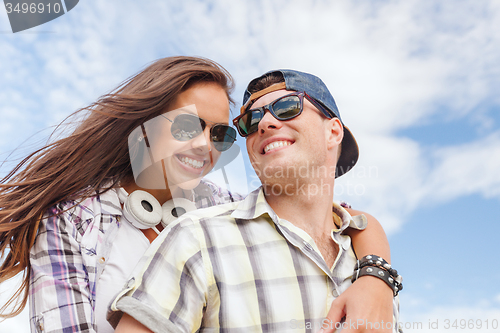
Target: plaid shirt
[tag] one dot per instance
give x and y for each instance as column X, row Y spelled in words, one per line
column 237, row 268
column 70, row 253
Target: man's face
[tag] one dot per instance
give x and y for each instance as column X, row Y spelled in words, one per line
column 279, row 150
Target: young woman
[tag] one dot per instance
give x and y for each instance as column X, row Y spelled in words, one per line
column 67, row 218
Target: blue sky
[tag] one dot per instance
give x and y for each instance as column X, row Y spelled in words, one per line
column 416, row 81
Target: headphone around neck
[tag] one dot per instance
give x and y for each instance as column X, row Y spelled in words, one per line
column 143, row 211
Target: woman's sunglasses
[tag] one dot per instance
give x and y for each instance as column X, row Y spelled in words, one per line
column 187, row 126
column 284, row 108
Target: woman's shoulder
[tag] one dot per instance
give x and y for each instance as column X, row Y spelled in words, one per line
column 81, row 210
column 217, row 195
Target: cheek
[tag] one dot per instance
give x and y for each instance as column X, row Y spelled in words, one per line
column 215, row 156
column 169, row 149
column 249, row 144
column 162, row 144
column 253, row 154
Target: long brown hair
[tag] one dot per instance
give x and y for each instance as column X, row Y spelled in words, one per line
column 94, row 158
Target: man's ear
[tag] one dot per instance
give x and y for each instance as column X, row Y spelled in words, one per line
column 334, row 133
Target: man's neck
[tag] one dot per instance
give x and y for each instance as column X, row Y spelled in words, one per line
column 306, row 205
column 311, row 212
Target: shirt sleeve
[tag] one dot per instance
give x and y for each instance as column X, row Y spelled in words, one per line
column 59, row 288
column 168, row 291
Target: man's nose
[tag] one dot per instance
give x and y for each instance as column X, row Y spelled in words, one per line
column 268, row 122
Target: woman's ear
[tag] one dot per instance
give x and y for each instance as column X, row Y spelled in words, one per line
column 334, row 133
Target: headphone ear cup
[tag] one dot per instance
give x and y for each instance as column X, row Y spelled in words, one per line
column 142, row 210
column 172, row 209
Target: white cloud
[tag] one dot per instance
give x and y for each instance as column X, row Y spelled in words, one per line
column 467, row 169
column 395, row 175
column 20, row 323
column 387, row 182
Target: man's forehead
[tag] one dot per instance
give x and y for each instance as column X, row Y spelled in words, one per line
column 269, row 97
column 253, row 97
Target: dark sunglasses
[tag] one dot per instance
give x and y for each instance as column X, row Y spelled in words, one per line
column 187, row 126
column 284, row 108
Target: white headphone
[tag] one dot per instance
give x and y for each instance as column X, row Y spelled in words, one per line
column 143, row 211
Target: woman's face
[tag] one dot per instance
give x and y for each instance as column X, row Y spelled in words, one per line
column 185, row 162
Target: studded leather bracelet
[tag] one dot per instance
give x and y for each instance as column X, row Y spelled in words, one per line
column 373, row 260
column 376, row 266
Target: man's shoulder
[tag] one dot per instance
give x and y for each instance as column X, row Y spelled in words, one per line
column 189, row 233
column 346, row 216
column 222, row 219
column 355, row 212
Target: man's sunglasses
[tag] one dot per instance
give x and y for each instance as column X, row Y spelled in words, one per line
column 284, row 108
column 187, row 126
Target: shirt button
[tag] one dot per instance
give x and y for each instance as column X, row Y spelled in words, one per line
column 130, row 283
column 102, row 260
column 335, row 293
column 40, row 326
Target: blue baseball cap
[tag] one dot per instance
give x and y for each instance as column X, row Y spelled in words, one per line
column 316, row 88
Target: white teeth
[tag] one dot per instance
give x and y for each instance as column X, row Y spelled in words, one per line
column 276, row 144
column 192, row 163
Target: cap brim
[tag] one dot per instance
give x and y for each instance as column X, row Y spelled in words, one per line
column 349, row 154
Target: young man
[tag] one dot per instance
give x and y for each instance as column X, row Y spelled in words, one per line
column 275, row 261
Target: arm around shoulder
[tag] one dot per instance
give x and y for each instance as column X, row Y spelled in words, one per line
column 371, row 240
column 369, row 299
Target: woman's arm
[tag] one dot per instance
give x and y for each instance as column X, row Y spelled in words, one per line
column 59, row 283
column 129, row 325
column 369, row 299
column 372, row 240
